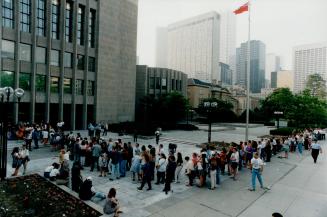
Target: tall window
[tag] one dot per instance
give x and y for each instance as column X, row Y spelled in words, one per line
column 92, row 28
column 80, row 62
column 40, row 17
column 54, row 60
column 8, row 13
column 69, row 22
column 25, row 15
column 40, row 83
column 55, row 16
column 7, row 79
column 79, row 87
column 68, row 58
column 80, row 25
column 41, row 54
column 91, row 64
column 90, row 88
column 67, row 85
column 25, row 81
column 54, row 85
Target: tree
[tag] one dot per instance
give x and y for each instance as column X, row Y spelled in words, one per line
column 317, row 86
column 164, row 110
column 223, row 111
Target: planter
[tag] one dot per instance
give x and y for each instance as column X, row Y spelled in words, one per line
column 35, row 196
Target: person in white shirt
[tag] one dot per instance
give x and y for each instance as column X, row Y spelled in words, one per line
column 257, row 168
column 161, row 169
column 24, row 153
column 54, row 172
column 234, row 159
column 189, row 170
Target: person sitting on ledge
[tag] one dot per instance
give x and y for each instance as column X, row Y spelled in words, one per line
column 54, row 172
column 48, row 170
column 87, row 191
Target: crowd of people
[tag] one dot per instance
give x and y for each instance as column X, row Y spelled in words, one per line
column 148, row 163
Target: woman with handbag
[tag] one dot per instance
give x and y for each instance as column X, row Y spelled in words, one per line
column 16, row 160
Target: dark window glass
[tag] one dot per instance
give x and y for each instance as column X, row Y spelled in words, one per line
column 54, row 58
column 25, row 81
column 173, row 84
column 8, row 13
column 164, row 83
column 157, row 83
column 151, row 82
column 54, row 85
column 91, row 64
column 40, row 17
column 67, row 85
column 7, row 79
column 92, row 28
column 41, row 55
column 55, row 16
column 68, row 57
column 176, row 86
column 7, row 49
column 90, row 88
column 79, row 87
column 69, row 22
column 180, row 85
column 40, row 83
column 80, row 25
column 80, row 62
column 25, row 52
column 25, row 15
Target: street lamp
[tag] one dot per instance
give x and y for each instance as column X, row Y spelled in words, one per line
column 209, row 106
column 6, row 94
column 278, row 113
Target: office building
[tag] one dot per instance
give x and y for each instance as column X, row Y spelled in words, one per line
column 273, row 79
column 75, row 59
column 309, row 59
column 272, row 64
column 193, row 46
column 285, row 79
column 257, row 67
column 155, row 82
column 227, row 52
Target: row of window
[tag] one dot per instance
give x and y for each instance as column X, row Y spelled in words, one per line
column 8, row 52
column 161, row 83
column 7, row 79
column 8, row 19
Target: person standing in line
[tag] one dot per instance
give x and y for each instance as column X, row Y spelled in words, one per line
column 315, row 149
column 213, row 172
column 257, row 168
column 170, row 173
column 147, row 173
column 24, row 154
column 161, row 169
column 96, row 151
column 190, row 172
column 300, row 144
column 114, row 156
column 179, row 167
column 268, row 151
column 35, row 137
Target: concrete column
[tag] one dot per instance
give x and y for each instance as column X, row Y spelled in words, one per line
column 73, row 105
column 33, row 64
column 48, row 75
column 86, row 46
column 62, row 68
column 17, row 55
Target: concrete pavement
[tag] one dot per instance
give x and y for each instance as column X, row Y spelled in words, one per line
column 298, row 187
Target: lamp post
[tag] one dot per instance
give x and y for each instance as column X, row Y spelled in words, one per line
column 209, row 106
column 277, row 113
column 6, row 94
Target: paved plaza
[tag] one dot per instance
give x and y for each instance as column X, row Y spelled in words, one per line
column 298, row 187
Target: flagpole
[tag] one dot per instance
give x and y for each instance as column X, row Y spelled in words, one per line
column 248, row 76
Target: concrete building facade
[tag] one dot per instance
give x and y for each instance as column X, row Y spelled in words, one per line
column 285, row 78
column 307, row 60
column 69, row 56
column 257, row 65
column 155, row 82
column 193, row 46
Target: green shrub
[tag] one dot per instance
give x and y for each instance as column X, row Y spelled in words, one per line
column 283, row 131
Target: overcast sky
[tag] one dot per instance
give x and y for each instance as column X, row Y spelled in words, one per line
column 280, row 24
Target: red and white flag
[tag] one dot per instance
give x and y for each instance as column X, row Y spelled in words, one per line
column 242, row 9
